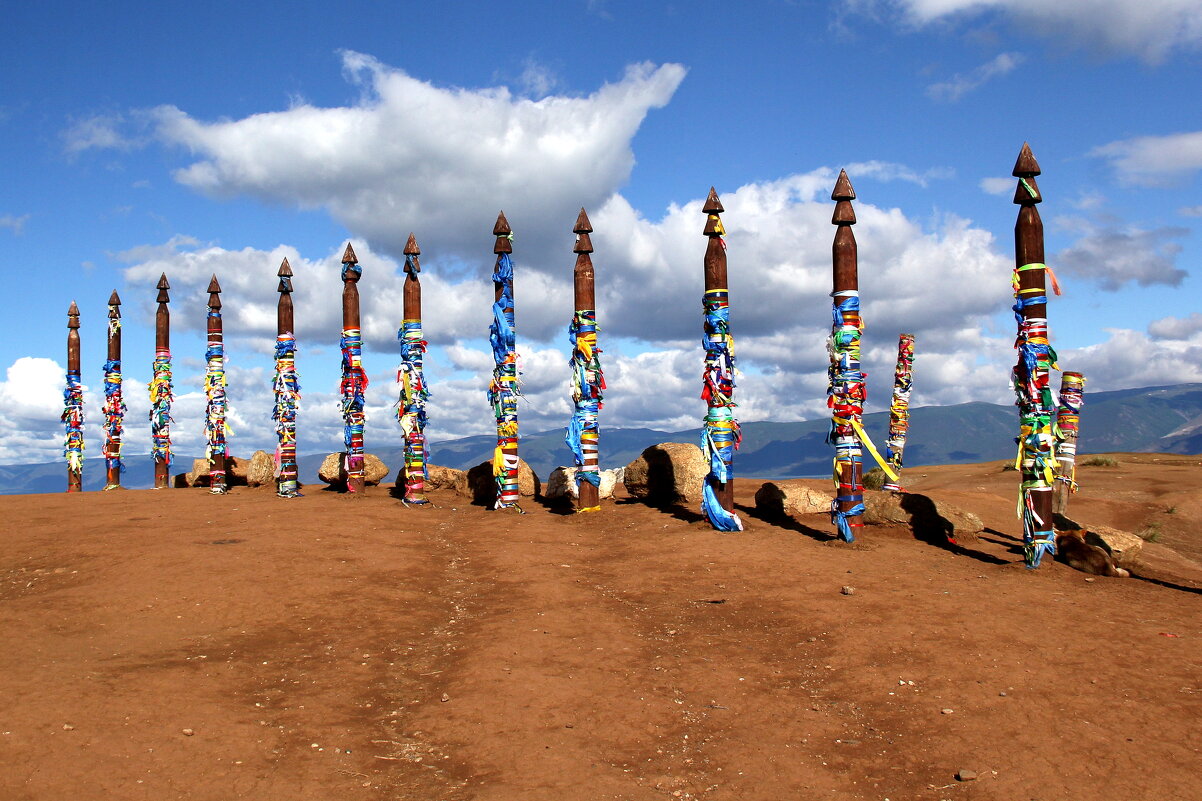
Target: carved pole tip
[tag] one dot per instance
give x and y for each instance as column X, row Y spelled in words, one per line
column 502, row 226
column 214, row 287
column 843, row 189
column 411, row 248
column 348, row 255
column 285, row 270
column 583, row 226
column 162, row 284
column 114, row 300
column 712, row 204
column 1026, row 165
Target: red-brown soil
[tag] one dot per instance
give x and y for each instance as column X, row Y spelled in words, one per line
column 177, row 645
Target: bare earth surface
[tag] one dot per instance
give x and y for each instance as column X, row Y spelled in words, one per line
column 177, row 645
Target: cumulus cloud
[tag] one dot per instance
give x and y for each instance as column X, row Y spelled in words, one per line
column 1154, row 160
column 14, row 223
column 997, row 186
column 107, row 132
column 959, row 85
column 1177, row 328
column 1112, row 256
column 1147, row 29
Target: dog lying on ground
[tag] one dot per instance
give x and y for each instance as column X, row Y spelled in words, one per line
column 1074, row 551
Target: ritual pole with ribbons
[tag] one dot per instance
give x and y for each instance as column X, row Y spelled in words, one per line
column 73, row 406
column 899, row 410
column 114, row 403
column 720, row 435
column 354, row 379
column 287, row 388
column 216, row 409
column 588, row 382
column 503, row 390
column 1031, row 374
column 160, row 388
column 411, row 405
column 1066, row 431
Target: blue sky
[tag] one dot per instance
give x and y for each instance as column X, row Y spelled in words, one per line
column 202, row 138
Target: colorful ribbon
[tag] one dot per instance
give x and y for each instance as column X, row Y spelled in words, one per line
column 354, row 383
column 287, row 403
column 114, row 411
column 899, row 409
column 72, row 417
column 503, row 390
column 588, row 385
column 161, row 396
column 1067, row 428
column 721, row 435
column 845, row 397
column 216, row 428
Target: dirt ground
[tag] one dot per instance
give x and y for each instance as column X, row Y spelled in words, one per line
column 178, row 645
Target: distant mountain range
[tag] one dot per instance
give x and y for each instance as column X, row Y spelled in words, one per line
column 1149, row 420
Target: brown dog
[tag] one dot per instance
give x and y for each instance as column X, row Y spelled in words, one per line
column 1074, row 551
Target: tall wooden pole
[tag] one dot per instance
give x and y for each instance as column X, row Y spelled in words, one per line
column 354, row 379
column 287, row 388
column 899, row 409
column 588, row 382
column 215, row 412
column 160, row 389
column 503, row 391
column 72, row 418
column 114, row 404
column 411, row 406
column 1067, row 429
column 720, row 436
column 846, row 393
column 1035, row 360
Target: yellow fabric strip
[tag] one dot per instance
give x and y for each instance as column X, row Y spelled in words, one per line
column 867, row 443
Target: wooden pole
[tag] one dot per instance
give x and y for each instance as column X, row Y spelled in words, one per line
column 215, row 412
column 1068, row 428
column 588, row 382
column 114, row 404
column 899, row 410
column 1036, row 359
column 721, row 434
column 846, row 380
column 411, row 406
column 503, row 391
column 287, row 388
column 354, row 379
column 73, row 445
column 161, row 390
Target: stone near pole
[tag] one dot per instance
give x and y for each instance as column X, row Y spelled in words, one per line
column 720, row 435
column 588, row 381
column 1036, row 359
column 503, row 390
column 1067, row 429
column 73, row 446
column 287, row 388
column 216, row 409
column 411, row 405
column 354, row 379
column 899, row 410
column 160, row 388
column 114, row 403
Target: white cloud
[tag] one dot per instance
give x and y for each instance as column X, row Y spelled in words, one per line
column 106, row 132
column 1154, row 160
column 959, row 85
column 14, row 223
column 1179, row 328
column 997, row 186
column 1190, row 211
column 1111, row 256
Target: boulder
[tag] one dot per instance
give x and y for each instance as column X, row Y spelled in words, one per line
column 332, row 470
column 440, row 477
column 671, row 472
column 1121, row 545
column 235, row 472
column 779, row 498
column 198, row 476
column 479, row 484
column 562, row 483
column 261, row 470
column 930, row 520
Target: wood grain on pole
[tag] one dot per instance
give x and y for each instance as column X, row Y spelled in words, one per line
column 585, row 300
column 716, row 279
column 845, row 264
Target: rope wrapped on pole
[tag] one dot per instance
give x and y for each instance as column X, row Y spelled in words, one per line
column 1066, row 431
column 721, row 435
column 114, row 404
column 161, row 391
column 354, row 378
column 72, row 417
column 1036, row 359
column 588, row 381
column 286, row 385
column 899, row 410
column 411, row 406
column 504, row 389
column 216, row 427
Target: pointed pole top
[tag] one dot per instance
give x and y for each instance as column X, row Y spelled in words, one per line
column 712, row 204
column 502, row 226
column 348, row 255
column 1026, row 166
column 712, row 208
column 214, row 287
column 583, row 226
column 411, row 248
column 504, row 235
column 1025, row 170
column 843, row 190
column 413, row 265
column 843, row 195
column 114, row 299
column 582, row 229
column 73, row 316
column 162, row 284
column 285, row 270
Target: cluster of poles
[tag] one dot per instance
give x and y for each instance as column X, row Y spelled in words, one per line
column 1047, row 437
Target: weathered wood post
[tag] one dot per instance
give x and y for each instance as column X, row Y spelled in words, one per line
column 160, row 389
column 899, row 410
column 720, row 436
column 287, row 388
column 411, row 406
column 846, row 393
column 354, row 379
column 73, row 406
column 114, row 403
column 1068, row 427
column 215, row 411
column 503, row 391
column 588, row 381
column 1035, row 359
